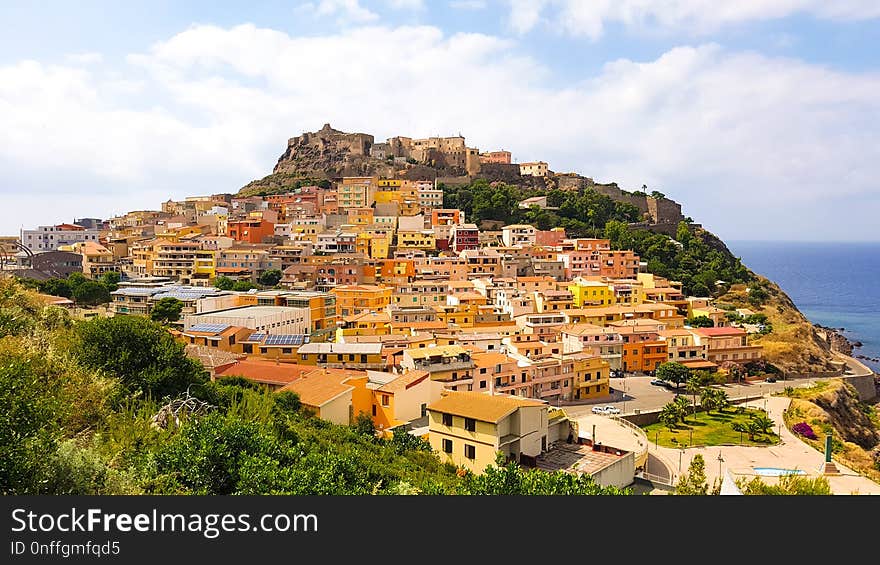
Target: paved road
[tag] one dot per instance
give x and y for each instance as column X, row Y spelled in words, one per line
column 642, row 395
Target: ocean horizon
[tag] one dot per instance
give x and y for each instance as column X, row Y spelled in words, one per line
column 834, row 284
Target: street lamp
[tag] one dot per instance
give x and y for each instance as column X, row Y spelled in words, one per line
column 691, row 442
column 656, row 440
column 680, row 453
column 720, row 461
column 624, row 394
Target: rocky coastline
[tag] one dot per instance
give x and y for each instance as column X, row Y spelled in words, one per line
column 839, row 343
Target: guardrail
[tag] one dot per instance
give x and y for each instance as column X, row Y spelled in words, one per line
column 638, row 433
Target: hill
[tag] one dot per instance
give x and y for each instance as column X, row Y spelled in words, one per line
column 833, row 407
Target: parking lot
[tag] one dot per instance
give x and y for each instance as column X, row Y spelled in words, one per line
column 642, row 395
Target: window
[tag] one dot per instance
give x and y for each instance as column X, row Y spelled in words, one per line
column 470, row 451
column 386, row 399
column 447, row 445
column 286, row 350
column 447, row 419
column 470, row 424
column 374, row 409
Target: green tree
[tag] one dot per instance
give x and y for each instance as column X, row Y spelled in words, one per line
column 74, row 280
column 708, row 399
column 243, row 286
column 29, row 419
column 683, row 405
column 110, row 279
column 694, row 482
column 694, row 386
column 403, row 441
column 224, row 283
column 56, row 287
column 140, row 354
column 763, row 424
column 669, row 415
column 701, row 322
column 166, row 310
column 270, row 277
column 364, row 425
column 91, row 293
column 683, row 233
column 672, row 372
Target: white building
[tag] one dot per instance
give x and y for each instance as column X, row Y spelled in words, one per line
column 534, row 169
column 50, row 238
column 518, row 235
column 266, row 319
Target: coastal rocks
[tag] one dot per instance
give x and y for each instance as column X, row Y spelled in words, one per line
column 844, row 413
column 835, row 339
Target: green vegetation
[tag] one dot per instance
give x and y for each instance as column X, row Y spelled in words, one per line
column 787, row 485
column 270, row 278
column 678, row 428
column 280, row 183
column 582, row 214
column 672, row 372
column 82, row 290
column 701, row 322
column 114, row 406
column 694, row 482
column 695, row 258
column 224, row 283
column 166, row 310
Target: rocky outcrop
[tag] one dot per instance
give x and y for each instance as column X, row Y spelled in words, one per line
column 329, row 153
column 846, row 415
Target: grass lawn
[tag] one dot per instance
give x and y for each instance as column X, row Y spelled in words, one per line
column 709, row 429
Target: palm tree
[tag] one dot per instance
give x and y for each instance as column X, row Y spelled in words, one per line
column 694, row 386
column 708, row 399
column 669, row 415
column 682, row 404
column 763, row 424
column 721, row 400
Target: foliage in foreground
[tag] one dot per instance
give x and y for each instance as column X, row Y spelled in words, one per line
column 79, row 404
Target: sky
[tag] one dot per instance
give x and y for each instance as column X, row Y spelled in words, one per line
column 762, row 117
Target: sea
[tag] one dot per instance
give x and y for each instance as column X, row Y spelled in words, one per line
column 836, row 285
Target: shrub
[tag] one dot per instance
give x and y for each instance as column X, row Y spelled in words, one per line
column 804, row 429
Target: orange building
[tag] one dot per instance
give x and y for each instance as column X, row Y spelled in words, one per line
column 643, row 356
column 618, row 264
column 251, row 230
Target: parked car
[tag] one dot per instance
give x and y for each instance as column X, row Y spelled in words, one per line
column 660, row 382
column 612, row 410
column 598, row 410
column 770, row 379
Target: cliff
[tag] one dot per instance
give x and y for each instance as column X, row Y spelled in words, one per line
column 329, row 153
column 794, row 345
column 833, row 407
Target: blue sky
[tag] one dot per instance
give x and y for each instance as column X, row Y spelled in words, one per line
column 761, row 117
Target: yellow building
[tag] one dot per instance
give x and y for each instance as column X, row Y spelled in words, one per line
column 391, row 400
column 451, row 366
column 373, row 245
column 354, row 299
column 365, row 323
column 357, row 356
column 590, row 293
column 469, row 429
column 422, row 239
column 326, row 394
column 591, row 376
column 356, row 192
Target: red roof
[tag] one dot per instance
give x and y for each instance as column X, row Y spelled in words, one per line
column 720, row 332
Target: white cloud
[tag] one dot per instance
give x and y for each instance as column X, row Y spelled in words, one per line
column 468, row 4
column 525, row 14
column 588, row 18
column 745, row 141
column 346, row 11
column 414, row 5
column 88, row 58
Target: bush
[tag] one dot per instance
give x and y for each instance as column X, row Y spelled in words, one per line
column 804, row 429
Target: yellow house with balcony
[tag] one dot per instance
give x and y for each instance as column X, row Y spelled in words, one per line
column 590, row 293
column 469, row 429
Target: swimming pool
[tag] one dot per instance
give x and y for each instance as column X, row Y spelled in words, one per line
column 776, row 472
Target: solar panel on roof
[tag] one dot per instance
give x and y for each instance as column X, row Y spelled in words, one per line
column 256, row 337
column 209, row 328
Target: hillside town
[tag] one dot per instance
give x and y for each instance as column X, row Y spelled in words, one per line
column 367, row 296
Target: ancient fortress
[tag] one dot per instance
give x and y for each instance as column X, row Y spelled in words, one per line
column 330, row 153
